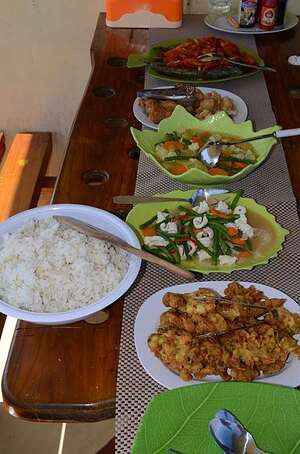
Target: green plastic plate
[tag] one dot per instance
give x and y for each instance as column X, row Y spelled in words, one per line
column 258, row 217
column 218, row 123
column 178, row 419
column 140, row 60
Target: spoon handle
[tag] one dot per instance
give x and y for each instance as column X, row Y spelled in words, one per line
column 100, row 234
column 288, row 132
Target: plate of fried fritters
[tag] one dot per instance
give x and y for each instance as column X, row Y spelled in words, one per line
column 219, row 330
column 150, row 112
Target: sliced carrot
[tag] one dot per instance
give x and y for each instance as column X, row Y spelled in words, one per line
column 238, row 241
column 178, row 169
column 240, row 165
column 232, row 231
column 245, row 254
column 181, row 217
column 149, row 231
column 216, row 171
column 218, row 213
column 201, row 138
column 173, row 144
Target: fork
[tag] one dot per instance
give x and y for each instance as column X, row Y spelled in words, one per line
column 211, row 56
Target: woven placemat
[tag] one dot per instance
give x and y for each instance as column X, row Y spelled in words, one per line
column 269, row 185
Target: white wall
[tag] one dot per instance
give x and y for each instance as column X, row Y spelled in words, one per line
column 45, row 63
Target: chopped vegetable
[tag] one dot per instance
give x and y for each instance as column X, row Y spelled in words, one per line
column 178, row 169
column 224, row 238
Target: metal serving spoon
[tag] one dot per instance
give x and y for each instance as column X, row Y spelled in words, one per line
column 231, row 436
column 210, row 153
column 212, row 56
column 197, row 196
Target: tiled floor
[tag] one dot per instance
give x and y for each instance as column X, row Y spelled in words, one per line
column 22, row 437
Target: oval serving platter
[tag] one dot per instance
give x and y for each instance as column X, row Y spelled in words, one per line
column 145, row 59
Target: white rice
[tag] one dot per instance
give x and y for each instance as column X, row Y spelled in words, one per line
column 45, row 267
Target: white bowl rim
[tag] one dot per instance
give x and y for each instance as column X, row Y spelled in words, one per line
column 89, row 309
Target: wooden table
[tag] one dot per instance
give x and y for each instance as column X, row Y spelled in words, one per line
column 68, row 373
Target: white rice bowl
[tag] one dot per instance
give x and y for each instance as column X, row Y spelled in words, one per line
column 53, row 274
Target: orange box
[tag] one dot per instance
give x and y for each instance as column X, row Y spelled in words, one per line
column 144, row 14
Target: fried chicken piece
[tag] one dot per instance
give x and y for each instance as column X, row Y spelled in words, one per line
column 228, row 106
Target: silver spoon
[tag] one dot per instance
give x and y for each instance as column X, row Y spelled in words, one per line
column 197, row 196
column 210, row 153
column 177, row 93
column 231, row 436
column 211, row 56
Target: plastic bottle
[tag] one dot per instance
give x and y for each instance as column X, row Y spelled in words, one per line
column 268, row 13
column 281, row 12
column 247, row 13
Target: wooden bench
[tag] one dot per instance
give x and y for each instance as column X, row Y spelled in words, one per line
column 22, row 175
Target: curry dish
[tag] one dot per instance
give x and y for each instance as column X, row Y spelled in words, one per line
column 257, row 341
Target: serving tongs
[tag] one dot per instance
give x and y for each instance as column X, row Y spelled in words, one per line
column 176, row 93
column 222, row 300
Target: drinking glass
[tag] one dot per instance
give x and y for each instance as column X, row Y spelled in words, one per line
column 219, row 6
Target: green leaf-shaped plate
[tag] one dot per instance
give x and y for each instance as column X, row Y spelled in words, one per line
column 140, row 60
column 218, row 123
column 264, row 249
column 179, row 418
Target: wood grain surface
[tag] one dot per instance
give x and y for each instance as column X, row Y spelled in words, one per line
column 69, row 372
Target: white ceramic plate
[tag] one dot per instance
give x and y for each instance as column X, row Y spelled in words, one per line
column 242, row 111
column 147, row 322
column 97, row 218
column 221, row 24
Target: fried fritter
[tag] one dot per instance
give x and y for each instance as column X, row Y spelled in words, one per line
column 258, row 346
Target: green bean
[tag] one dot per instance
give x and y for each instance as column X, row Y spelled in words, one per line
column 177, row 235
column 249, row 244
column 160, row 252
column 220, row 229
column 215, row 248
column 178, row 158
column 172, row 136
column 186, row 249
column 233, row 158
column 186, row 209
column 235, row 200
column 149, row 222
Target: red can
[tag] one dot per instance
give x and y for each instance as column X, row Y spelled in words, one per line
column 268, row 14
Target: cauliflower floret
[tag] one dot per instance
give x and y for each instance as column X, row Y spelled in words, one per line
column 205, row 236
column 203, row 255
column 202, row 208
column 169, row 227
column 223, row 207
column 161, row 216
column 200, row 222
column 153, row 241
column 192, row 247
column 227, row 259
column 246, row 229
column 194, row 146
column 240, row 210
column 181, row 252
